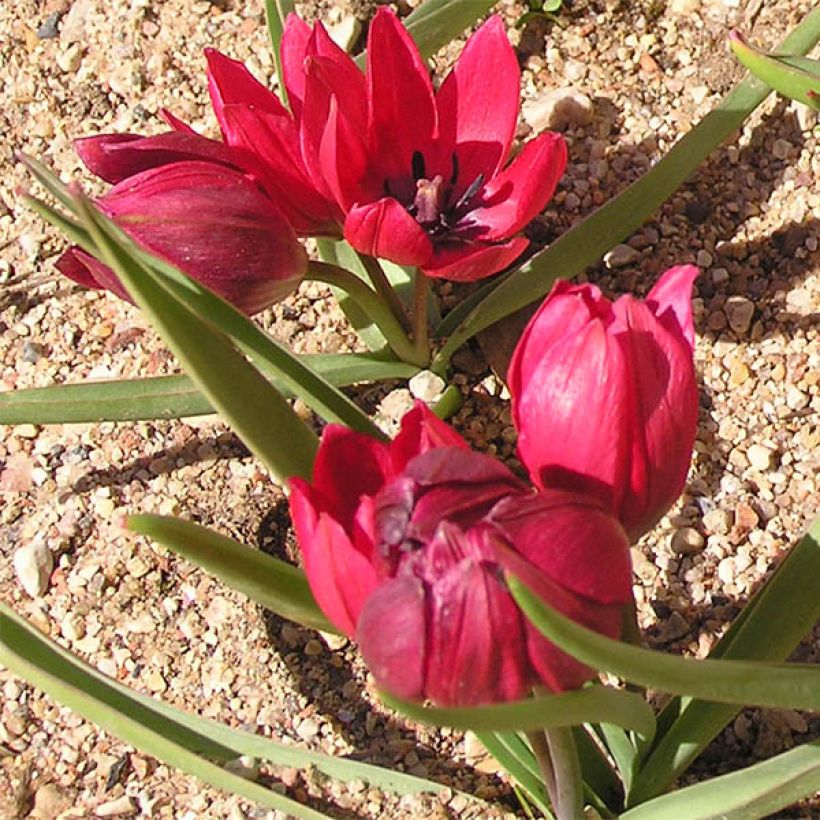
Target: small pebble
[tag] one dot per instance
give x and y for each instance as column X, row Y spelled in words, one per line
column 124, row 806
column 426, row 386
column 33, row 564
column 558, row 110
column 686, row 541
column 760, row 457
column 620, row 256
column 717, row 522
column 48, row 29
column 739, row 311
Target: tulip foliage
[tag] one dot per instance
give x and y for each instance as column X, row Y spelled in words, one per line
column 480, row 598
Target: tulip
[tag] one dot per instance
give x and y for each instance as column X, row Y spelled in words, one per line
column 604, row 396
column 407, row 555
column 414, row 176
column 207, row 218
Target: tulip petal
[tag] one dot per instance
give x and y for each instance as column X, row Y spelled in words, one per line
column 421, row 430
column 391, row 634
column 115, row 157
column 215, row 225
column 671, row 300
column 229, row 81
column 174, row 122
column 572, row 540
column 89, row 272
column 384, row 229
column 476, row 651
column 571, row 414
column 293, row 50
column 469, row 262
column 478, row 107
column 401, row 104
column 521, row 191
column 340, row 577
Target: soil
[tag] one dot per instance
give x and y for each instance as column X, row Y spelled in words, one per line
column 750, row 218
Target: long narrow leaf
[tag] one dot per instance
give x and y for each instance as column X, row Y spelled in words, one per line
column 589, row 240
column 594, row 704
column 781, row 686
column 26, row 653
column 781, row 613
column 435, row 22
column 511, row 752
column 278, row 586
column 110, row 704
column 169, row 397
column 276, row 12
column 757, row 791
column 250, row 404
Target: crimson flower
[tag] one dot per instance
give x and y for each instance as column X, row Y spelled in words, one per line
column 412, row 175
column 407, row 553
column 604, row 395
column 189, row 200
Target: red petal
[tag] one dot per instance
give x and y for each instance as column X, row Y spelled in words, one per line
column 571, row 414
column 572, row 539
column 521, row 191
column 392, row 637
column 89, row 272
column 421, row 430
column 174, row 122
column 293, row 50
column 229, row 81
column 478, row 107
column 401, row 104
column 384, row 229
column 270, row 142
column 468, row 262
column 340, row 577
column 671, row 300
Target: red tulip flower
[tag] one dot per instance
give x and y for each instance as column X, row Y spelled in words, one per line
column 406, row 554
column 604, row 396
column 411, row 175
column 206, row 217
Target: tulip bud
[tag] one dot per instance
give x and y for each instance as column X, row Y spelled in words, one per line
column 604, row 396
column 209, row 220
column 408, row 555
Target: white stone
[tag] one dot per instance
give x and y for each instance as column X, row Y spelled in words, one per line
column 426, row 386
column 558, row 109
column 33, row 564
column 739, row 311
column 620, row 256
column 345, row 32
column 760, row 456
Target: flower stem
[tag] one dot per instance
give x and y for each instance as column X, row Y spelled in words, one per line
column 568, row 797
column 385, row 289
column 540, row 748
column 421, row 337
column 373, row 305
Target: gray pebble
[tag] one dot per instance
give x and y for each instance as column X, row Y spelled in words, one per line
column 48, row 29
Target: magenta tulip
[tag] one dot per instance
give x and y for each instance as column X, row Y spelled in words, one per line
column 207, row 218
column 407, row 554
column 414, row 176
column 605, row 398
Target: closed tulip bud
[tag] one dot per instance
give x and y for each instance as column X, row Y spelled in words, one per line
column 604, row 396
column 209, row 220
column 407, row 555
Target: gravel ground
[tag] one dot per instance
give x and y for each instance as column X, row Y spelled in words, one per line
column 636, row 76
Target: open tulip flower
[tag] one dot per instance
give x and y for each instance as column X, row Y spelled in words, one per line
column 604, row 395
column 407, row 554
column 408, row 174
column 180, row 197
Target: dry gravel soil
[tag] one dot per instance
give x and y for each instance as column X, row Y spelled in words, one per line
column 641, row 74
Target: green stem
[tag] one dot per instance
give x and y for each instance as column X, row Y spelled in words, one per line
column 383, row 287
column 372, row 304
column 541, row 750
column 421, row 334
column 568, row 798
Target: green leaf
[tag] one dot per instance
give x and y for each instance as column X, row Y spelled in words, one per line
column 757, row 791
column 623, row 752
column 593, row 704
column 170, row 397
column 274, row 584
column 26, row 653
column 771, row 625
column 250, row 404
column 602, row 787
column 780, row 686
column 276, row 13
column 585, row 243
column 798, row 79
column 436, row 22
column 170, row 734
column 517, row 758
